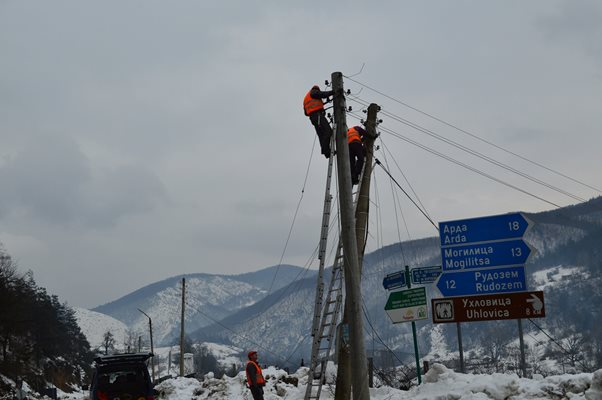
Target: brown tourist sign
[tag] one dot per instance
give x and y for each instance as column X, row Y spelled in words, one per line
column 499, row 306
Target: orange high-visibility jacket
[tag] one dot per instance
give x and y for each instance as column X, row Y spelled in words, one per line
column 353, row 135
column 312, row 105
column 258, row 375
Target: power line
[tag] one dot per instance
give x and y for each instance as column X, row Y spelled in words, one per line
column 404, row 177
column 475, row 136
column 585, row 368
column 478, row 154
column 266, row 350
column 406, row 193
column 395, row 203
column 473, row 169
column 294, row 217
column 379, row 338
column 483, row 157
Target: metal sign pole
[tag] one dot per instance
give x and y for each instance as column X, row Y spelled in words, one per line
column 523, row 365
column 460, row 349
column 414, row 331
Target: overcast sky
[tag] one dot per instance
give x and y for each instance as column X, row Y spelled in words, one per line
column 145, row 139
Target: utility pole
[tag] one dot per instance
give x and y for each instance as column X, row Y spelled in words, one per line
column 343, row 384
column 350, row 251
column 182, row 329
column 150, row 328
column 363, row 201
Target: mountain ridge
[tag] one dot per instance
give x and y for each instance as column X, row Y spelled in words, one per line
column 279, row 322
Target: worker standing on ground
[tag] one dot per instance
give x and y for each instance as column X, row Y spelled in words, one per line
column 255, row 379
column 313, row 106
column 355, row 135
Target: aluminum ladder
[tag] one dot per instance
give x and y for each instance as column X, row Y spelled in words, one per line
column 323, row 339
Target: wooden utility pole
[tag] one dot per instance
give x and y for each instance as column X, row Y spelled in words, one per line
column 182, row 329
column 351, row 261
column 344, row 378
column 363, row 201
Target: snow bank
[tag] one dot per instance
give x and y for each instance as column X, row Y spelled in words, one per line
column 440, row 383
column 443, row 383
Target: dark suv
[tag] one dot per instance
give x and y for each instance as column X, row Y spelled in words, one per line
column 122, row 377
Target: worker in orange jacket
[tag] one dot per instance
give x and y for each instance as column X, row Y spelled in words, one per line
column 355, row 136
column 255, row 379
column 313, row 106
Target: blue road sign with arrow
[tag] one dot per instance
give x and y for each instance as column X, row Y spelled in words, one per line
column 395, row 280
column 485, row 255
column 423, row 275
column 484, row 281
column 496, row 227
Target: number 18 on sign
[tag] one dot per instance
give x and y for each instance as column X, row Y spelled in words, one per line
column 484, row 229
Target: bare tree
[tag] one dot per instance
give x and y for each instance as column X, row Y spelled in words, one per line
column 130, row 341
column 108, row 342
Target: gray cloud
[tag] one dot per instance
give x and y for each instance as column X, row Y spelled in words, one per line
column 576, row 23
column 52, row 181
column 140, row 141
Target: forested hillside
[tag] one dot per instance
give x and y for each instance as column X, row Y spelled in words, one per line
column 41, row 341
column 567, row 266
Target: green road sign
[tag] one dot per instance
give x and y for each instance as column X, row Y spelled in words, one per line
column 407, row 305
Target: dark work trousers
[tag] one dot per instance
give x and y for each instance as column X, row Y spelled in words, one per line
column 323, row 129
column 257, row 392
column 356, row 160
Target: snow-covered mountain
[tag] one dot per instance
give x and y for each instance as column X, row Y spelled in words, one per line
column 235, row 310
column 567, row 238
column 209, row 298
column 94, row 325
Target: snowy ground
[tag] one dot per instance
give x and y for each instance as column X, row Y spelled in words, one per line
column 440, row 383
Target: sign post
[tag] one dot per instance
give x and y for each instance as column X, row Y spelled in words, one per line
column 414, row 332
column 406, row 305
column 483, row 272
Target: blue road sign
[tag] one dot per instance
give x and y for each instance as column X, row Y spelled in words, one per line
column 484, row 281
column 485, row 255
column 424, row 275
column 395, row 280
column 495, row 227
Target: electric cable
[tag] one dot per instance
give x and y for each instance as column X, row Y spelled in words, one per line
column 406, row 193
column 399, row 168
column 405, row 178
column 395, row 203
column 474, row 136
column 294, row 217
column 484, row 157
column 464, row 165
column 380, row 339
column 379, row 226
column 585, row 368
column 264, row 349
column 477, row 154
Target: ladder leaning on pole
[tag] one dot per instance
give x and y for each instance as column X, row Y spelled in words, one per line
column 322, row 250
column 329, row 318
column 320, row 323
column 327, row 312
column 323, row 339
